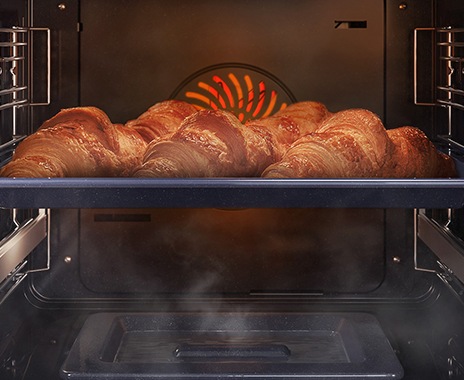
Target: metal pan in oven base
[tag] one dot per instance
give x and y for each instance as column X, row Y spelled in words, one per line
column 223, row 345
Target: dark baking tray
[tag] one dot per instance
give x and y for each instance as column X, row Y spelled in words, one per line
column 224, row 193
column 224, row 345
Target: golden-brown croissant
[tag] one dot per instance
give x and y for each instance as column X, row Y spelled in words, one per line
column 83, row 142
column 288, row 125
column 76, row 142
column 415, row 156
column 354, row 143
column 214, row 143
column 351, row 143
column 161, row 120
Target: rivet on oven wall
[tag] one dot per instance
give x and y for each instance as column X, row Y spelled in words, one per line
column 67, row 259
column 62, row 6
column 396, row 260
column 403, row 6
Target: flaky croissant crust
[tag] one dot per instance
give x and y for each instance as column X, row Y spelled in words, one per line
column 214, row 143
column 83, row 142
column 174, row 139
column 355, row 144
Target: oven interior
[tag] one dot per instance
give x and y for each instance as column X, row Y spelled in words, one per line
column 232, row 278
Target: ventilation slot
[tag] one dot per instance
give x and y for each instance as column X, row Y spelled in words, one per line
column 350, row 24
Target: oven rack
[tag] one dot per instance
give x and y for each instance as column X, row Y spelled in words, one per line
column 13, row 47
column 229, row 193
column 450, row 44
column 448, row 249
column 448, row 81
column 15, row 249
column 17, row 52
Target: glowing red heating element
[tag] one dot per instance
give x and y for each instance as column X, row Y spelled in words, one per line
column 247, row 98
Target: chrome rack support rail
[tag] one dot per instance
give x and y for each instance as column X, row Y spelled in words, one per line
column 450, row 51
column 447, row 247
column 417, row 266
column 14, row 53
column 17, row 72
column 449, row 94
column 49, row 64
column 415, row 72
column 12, row 282
column 451, row 54
column 17, row 51
column 450, row 60
column 13, row 47
column 16, row 247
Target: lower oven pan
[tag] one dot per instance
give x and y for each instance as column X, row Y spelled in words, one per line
column 224, row 345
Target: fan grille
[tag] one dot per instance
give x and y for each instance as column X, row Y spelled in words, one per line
column 248, row 92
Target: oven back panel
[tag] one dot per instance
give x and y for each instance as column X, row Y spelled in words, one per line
column 211, row 251
column 154, row 257
column 133, row 54
column 125, row 56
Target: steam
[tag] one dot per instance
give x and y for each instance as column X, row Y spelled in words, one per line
column 192, row 254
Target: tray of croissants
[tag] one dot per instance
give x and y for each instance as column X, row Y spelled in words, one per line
column 174, row 145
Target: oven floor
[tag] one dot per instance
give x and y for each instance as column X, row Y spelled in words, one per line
column 427, row 338
column 231, row 344
column 39, row 353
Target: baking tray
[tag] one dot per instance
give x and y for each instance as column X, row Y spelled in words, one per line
column 223, row 345
column 230, row 192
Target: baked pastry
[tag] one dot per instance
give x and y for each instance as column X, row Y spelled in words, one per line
column 161, row 120
column 355, row 144
column 415, row 156
column 288, row 125
column 350, row 143
column 214, row 143
column 173, row 139
column 83, row 142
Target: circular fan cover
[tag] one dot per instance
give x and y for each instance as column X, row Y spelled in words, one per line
column 247, row 91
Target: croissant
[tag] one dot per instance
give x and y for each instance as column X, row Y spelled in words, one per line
column 214, row 143
column 161, row 120
column 415, row 156
column 83, row 142
column 354, row 143
column 289, row 124
column 351, row 143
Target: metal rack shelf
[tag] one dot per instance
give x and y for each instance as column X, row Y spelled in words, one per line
column 450, row 57
column 15, row 248
column 16, row 57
